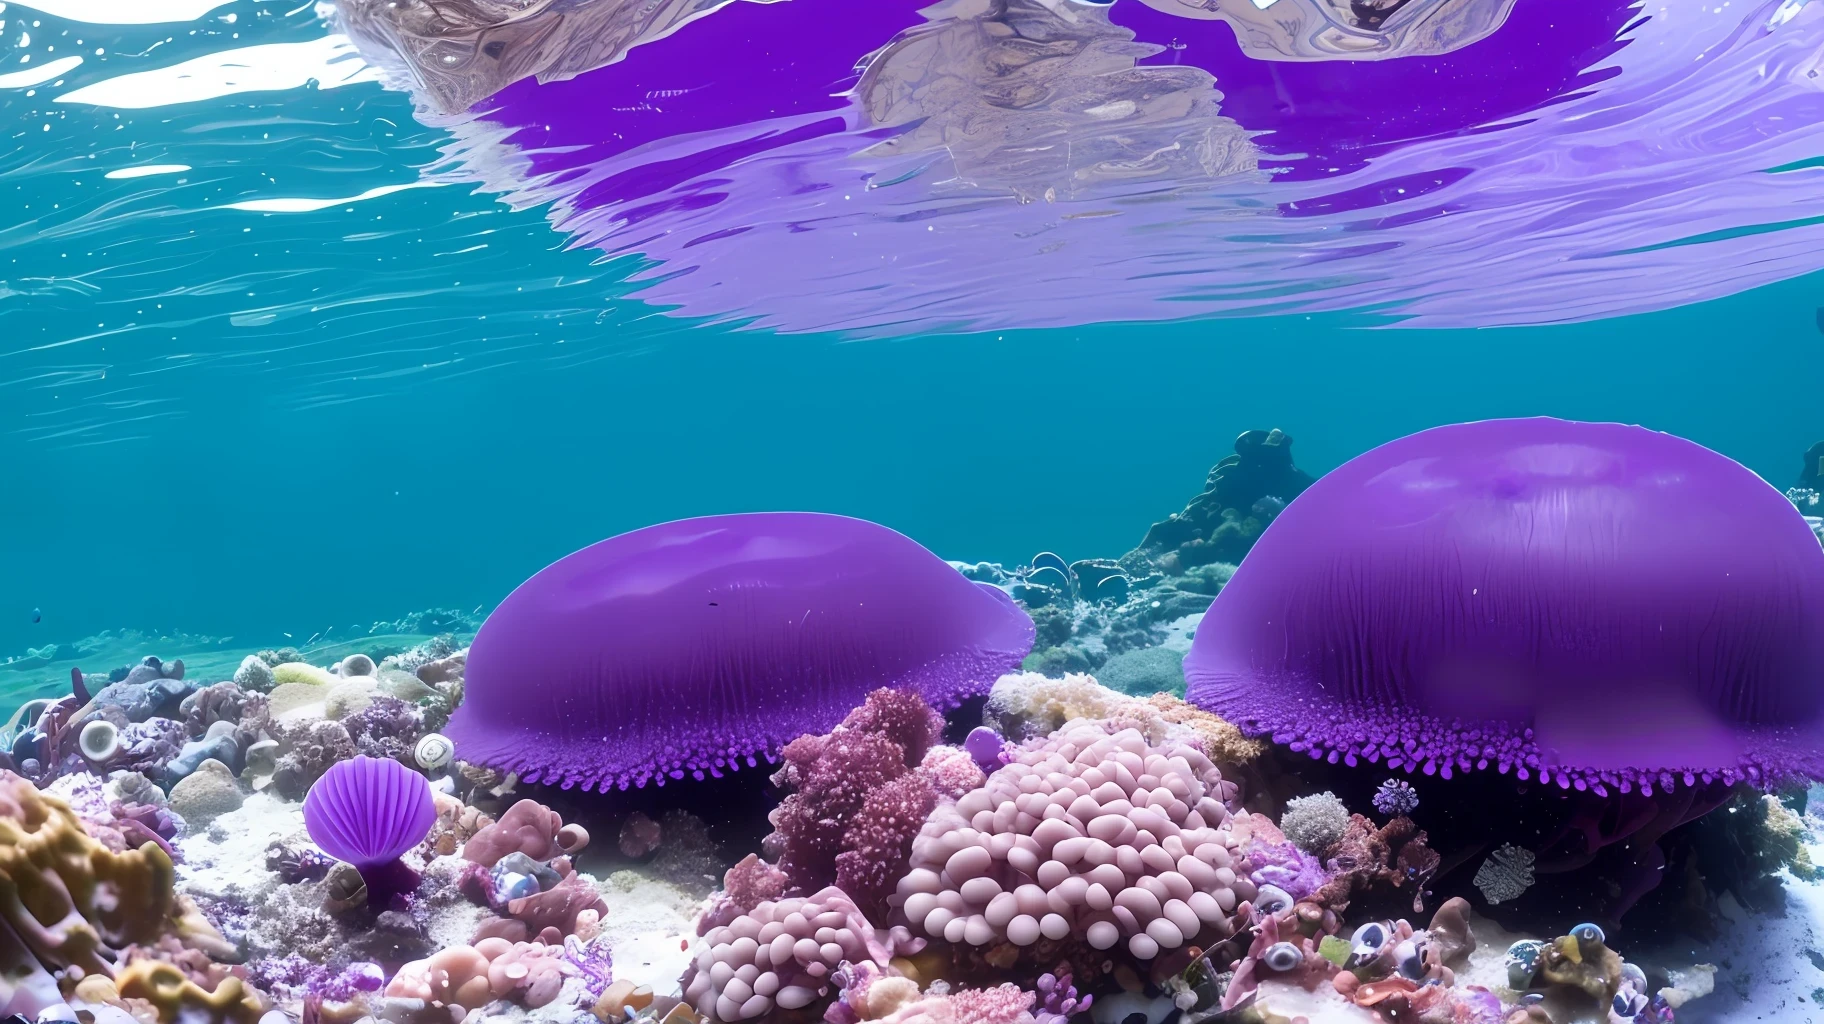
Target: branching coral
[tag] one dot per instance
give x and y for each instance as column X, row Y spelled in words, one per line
column 311, row 747
column 855, row 801
column 1314, row 823
column 1101, row 836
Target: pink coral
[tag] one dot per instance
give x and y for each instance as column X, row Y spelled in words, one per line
column 470, row 977
column 901, row 716
column 877, row 844
column 1086, row 834
column 833, row 778
column 1002, row 1004
column 528, row 827
column 784, row 953
column 951, row 771
column 549, row 916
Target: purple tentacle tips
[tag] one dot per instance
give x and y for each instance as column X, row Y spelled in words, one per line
column 1602, row 607
column 696, row 646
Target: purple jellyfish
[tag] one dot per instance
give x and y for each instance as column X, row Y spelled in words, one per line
column 697, row 645
column 1601, row 606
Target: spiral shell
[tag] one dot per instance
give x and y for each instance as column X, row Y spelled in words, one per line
column 434, row 752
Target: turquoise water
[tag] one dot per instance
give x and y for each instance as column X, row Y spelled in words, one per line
column 234, row 422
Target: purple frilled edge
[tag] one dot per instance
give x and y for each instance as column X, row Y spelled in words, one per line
column 700, row 645
column 1598, row 605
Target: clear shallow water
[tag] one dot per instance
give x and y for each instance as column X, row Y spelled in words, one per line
column 227, row 419
column 275, row 369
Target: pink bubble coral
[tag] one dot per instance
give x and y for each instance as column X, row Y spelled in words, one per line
column 783, row 953
column 1103, row 837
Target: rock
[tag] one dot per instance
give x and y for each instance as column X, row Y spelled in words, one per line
column 1812, row 475
column 262, row 760
column 254, row 675
column 442, row 670
column 1220, row 524
column 350, row 696
column 405, row 686
column 146, row 697
column 289, row 697
column 221, row 748
column 206, row 793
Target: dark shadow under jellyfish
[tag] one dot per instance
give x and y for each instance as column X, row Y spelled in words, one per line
column 695, row 647
column 1571, row 637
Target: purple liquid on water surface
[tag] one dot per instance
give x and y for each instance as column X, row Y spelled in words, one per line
column 1583, row 161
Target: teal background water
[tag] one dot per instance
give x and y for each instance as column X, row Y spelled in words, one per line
column 235, row 422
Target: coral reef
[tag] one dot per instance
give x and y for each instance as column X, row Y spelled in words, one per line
column 855, row 799
column 1314, row 823
column 784, row 953
column 1104, row 837
column 1242, row 494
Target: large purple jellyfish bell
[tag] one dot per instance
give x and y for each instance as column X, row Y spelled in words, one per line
column 370, row 812
column 694, row 646
column 1598, row 606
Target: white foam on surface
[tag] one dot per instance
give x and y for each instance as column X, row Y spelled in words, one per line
column 313, row 205
column 145, row 170
column 39, row 75
column 328, row 63
column 125, row 12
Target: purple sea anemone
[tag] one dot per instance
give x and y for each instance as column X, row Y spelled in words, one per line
column 693, row 646
column 1599, row 605
column 369, row 812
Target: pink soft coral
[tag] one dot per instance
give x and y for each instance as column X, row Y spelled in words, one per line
column 876, row 846
column 838, row 809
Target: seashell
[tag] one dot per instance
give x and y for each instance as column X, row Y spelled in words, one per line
column 99, row 741
column 369, row 811
column 434, row 752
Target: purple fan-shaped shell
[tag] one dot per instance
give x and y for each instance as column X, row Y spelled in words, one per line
column 369, row 811
column 695, row 645
column 1598, row 605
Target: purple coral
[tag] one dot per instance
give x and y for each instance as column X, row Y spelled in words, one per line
column 696, row 646
column 1498, row 595
column 1396, row 797
column 1286, row 867
column 369, row 812
column 1058, row 999
column 984, row 745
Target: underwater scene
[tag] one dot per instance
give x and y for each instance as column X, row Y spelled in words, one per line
column 788, row 512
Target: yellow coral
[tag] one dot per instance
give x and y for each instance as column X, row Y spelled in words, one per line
column 300, row 672
column 1045, row 705
column 1222, row 740
column 67, row 897
column 153, row 991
